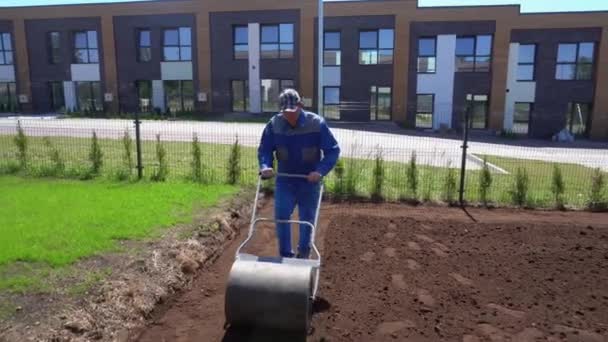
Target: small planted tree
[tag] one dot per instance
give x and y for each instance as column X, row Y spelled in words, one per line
column 125, row 172
column 162, row 169
column 449, row 185
column 21, row 142
column 519, row 189
column 95, row 155
column 428, row 178
column 378, row 177
column 197, row 162
column 234, row 163
column 485, row 182
column 596, row 200
column 412, row 177
column 339, row 184
column 557, row 186
column 57, row 162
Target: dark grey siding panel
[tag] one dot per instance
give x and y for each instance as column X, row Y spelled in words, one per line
column 464, row 82
column 41, row 71
column 225, row 68
column 356, row 80
column 129, row 69
column 552, row 96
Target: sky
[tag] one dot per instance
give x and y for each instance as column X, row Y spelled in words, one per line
column 527, row 5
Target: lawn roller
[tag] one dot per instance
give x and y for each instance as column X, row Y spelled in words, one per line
column 273, row 292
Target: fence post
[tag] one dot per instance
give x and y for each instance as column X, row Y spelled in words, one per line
column 465, row 146
column 140, row 167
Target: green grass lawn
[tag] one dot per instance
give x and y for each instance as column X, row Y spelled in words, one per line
column 57, row 222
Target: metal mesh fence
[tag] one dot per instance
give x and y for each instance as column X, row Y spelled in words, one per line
column 377, row 160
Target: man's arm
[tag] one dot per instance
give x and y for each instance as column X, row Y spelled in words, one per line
column 266, row 148
column 331, row 150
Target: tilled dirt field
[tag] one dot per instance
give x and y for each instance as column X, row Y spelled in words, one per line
column 399, row 273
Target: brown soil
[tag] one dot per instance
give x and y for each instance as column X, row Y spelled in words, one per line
column 394, row 272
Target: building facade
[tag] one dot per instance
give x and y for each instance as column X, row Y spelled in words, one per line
column 383, row 60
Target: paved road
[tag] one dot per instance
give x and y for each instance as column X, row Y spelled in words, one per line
column 360, row 144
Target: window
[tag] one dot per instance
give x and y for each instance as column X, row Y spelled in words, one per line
column 271, row 90
column 88, row 95
column 144, row 95
column 8, row 97
column 144, row 51
column 575, row 61
column 57, row 99
column 427, row 55
column 521, row 117
column 474, row 53
column 479, row 111
column 331, row 103
column 54, row 46
column 240, row 96
column 177, row 44
column 179, row 96
column 277, row 41
column 6, row 49
column 424, row 110
column 525, row 62
column 85, row 47
column 331, row 52
column 376, row 47
column 241, row 42
column 577, row 118
column 380, row 103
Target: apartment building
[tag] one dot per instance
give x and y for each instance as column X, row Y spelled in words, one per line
column 383, row 60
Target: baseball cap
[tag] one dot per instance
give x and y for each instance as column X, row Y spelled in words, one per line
column 289, row 100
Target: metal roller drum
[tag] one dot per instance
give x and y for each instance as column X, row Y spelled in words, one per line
column 269, row 295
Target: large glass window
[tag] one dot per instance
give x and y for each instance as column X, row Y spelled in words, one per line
column 85, row 47
column 57, row 98
column 331, row 49
column 144, row 48
column 424, row 110
column 144, row 95
column 479, row 111
column 8, row 97
column 521, row 117
column 54, row 47
column 376, row 47
column 271, row 89
column 331, row 103
column 277, row 41
column 89, row 98
column 577, row 118
column 241, row 42
column 380, row 103
column 427, row 55
column 177, row 44
column 6, row 49
column 575, row 61
column 474, row 53
column 240, row 96
column 179, row 96
column 525, row 62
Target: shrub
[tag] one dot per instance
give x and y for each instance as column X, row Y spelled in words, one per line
column 449, row 185
column 557, row 186
column 519, row 189
column 596, row 200
column 162, row 169
column 412, row 177
column 428, row 178
column 378, row 176
column 234, row 163
column 197, row 162
column 339, row 188
column 57, row 163
column 95, row 156
column 127, row 158
column 485, row 182
column 21, row 142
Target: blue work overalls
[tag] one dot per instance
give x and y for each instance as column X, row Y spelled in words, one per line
column 307, row 147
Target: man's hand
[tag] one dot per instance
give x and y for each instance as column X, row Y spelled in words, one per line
column 267, row 173
column 314, row 177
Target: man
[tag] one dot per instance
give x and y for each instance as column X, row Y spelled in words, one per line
column 297, row 138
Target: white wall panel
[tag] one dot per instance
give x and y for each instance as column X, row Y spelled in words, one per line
column 255, row 98
column 176, row 71
column 7, row 73
column 85, row 72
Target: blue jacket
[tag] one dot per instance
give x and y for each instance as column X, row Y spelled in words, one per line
column 298, row 149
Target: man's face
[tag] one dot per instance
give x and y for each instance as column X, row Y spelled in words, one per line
column 292, row 115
